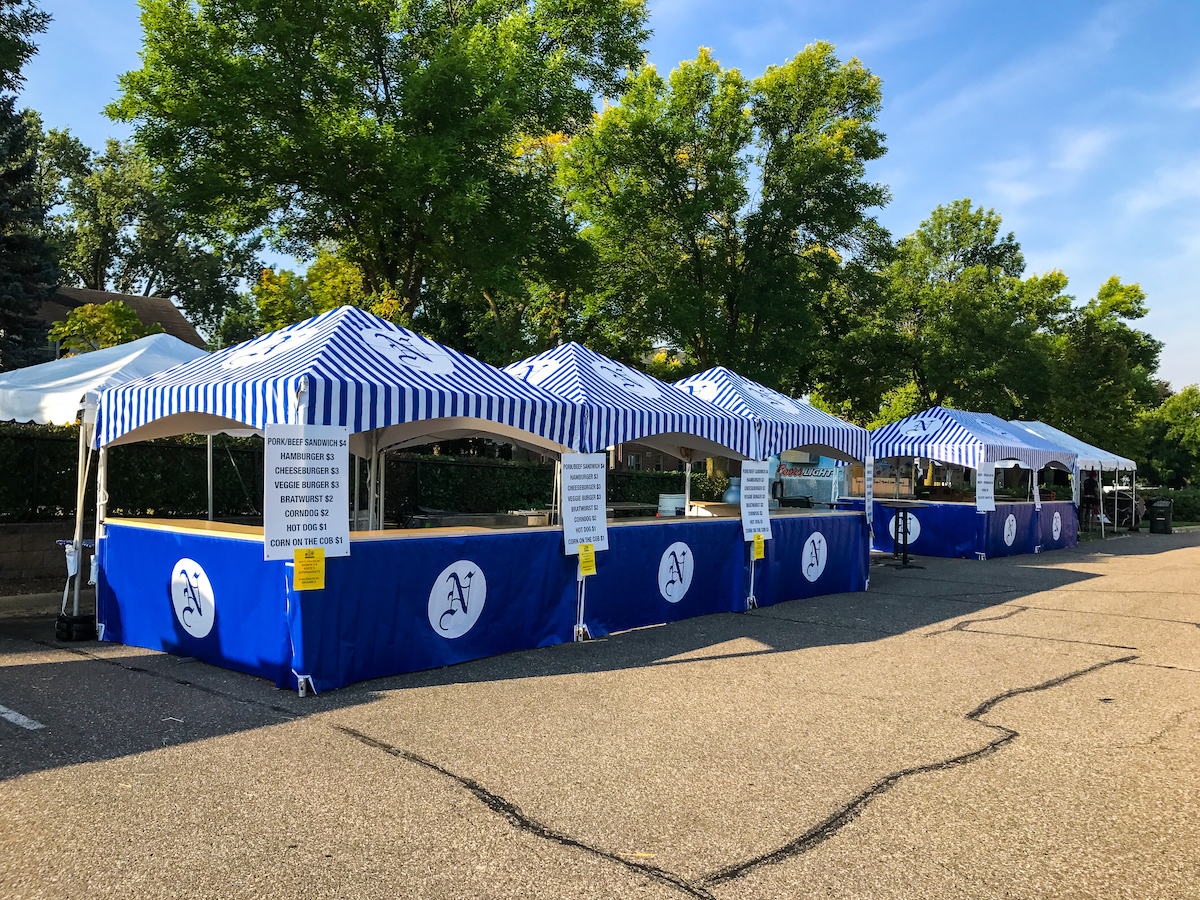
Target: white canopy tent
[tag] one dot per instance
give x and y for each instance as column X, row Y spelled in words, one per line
column 56, row 392
column 1088, row 457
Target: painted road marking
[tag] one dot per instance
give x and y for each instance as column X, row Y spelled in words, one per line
column 17, row 719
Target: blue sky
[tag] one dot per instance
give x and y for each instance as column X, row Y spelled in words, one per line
column 1079, row 122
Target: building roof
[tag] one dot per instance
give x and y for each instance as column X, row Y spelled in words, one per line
column 149, row 310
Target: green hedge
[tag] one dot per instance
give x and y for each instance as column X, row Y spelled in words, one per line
column 168, row 478
column 1187, row 503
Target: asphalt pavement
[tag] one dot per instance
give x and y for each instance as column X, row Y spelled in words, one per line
column 1020, row 727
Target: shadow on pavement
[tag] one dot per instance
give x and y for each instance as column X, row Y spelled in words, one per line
column 108, row 701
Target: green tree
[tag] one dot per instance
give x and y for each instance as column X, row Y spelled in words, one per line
column 1105, row 372
column 27, row 269
column 391, row 128
column 1170, row 434
column 93, row 326
column 116, row 231
column 957, row 326
column 725, row 210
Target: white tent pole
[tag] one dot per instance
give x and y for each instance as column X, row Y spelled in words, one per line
column 357, row 473
column 101, row 494
column 382, row 486
column 687, row 488
column 1116, row 496
column 210, row 478
column 555, row 517
column 80, row 489
column 372, row 471
column 1133, row 520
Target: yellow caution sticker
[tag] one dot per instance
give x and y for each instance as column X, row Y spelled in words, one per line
column 310, row 569
column 760, row 549
column 587, row 559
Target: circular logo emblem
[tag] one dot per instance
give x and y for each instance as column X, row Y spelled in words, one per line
column 705, row 390
column 629, row 380
column 914, row 527
column 268, row 347
column 921, row 427
column 192, row 597
column 770, row 398
column 536, row 371
column 456, row 599
column 675, row 572
column 1010, row 529
column 815, row 555
column 404, row 348
column 1057, row 526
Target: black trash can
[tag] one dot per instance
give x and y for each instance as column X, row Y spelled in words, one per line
column 1160, row 515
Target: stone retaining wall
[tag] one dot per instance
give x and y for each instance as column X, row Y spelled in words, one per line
column 28, row 550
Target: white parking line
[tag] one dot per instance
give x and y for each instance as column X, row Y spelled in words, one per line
column 17, row 719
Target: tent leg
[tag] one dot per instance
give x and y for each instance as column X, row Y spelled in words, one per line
column 1134, row 524
column 372, row 470
column 80, row 489
column 210, row 478
column 382, row 486
column 357, row 477
column 555, row 517
column 687, row 488
column 101, row 505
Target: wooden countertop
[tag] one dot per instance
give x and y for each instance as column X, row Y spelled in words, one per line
column 255, row 532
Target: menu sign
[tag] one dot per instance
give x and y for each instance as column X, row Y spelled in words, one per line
column 756, row 513
column 584, row 501
column 306, row 496
column 985, row 487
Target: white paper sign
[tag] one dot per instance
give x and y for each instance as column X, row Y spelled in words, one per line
column 985, row 487
column 584, row 501
column 869, row 479
column 306, row 497
column 756, row 493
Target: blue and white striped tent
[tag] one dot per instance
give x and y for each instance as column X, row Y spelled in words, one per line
column 964, row 439
column 782, row 423
column 345, row 367
column 621, row 404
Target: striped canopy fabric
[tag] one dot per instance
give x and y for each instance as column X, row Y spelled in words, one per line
column 622, row 404
column 1088, row 456
column 964, row 439
column 345, row 367
column 782, row 423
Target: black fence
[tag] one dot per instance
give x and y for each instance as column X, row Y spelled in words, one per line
column 168, row 478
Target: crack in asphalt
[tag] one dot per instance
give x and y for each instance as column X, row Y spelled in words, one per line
column 811, row 838
column 965, row 623
column 826, row 829
column 524, row 822
column 964, row 627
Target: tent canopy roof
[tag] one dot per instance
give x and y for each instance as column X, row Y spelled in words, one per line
column 51, row 393
column 345, row 367
column 1088, row 456
column 965, row 439
column 783, row 423
column 622, row 404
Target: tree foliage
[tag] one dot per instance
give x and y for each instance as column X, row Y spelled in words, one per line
column 27, row 269
column 93, row 326
column 391, row 128
column 725, row 210
column 115, row 230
